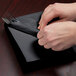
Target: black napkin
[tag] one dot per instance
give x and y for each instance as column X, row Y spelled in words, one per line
column 30, row 55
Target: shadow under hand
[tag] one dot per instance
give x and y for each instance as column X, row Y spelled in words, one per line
column 48, row 56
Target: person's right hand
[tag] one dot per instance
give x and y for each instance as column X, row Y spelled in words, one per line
column 65, row 11
column 58, row 36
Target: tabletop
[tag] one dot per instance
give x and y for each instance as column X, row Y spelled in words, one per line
column 9, row 65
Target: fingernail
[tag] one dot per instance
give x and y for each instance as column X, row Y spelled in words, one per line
column 38, row 27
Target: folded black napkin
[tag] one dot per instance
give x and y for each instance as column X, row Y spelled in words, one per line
column 30, row 55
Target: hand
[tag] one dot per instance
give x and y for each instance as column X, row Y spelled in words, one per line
column 65, row 11
column 58, row 36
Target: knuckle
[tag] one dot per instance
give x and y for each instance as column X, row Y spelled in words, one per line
column 47, row 7
column 45, row 30
column 46, row 33
column 55, row 4
column 48, row 39
column 55, row 9
column 53, row 44
column 40, row 42
column 45, row 46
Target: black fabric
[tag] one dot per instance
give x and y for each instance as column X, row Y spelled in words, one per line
column 29, row 53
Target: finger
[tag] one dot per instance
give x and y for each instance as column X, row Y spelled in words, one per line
column 60, row 20
column 48, row 17
column 42, row 41
column 52, row 43
column 39, row 27
column 58, row 47
column 49, row 8
column 40, row 34
column 48, row 46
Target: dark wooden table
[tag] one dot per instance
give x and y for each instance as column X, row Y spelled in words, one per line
column 9, row 65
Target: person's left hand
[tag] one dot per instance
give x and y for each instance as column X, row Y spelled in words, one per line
column 58, row 36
